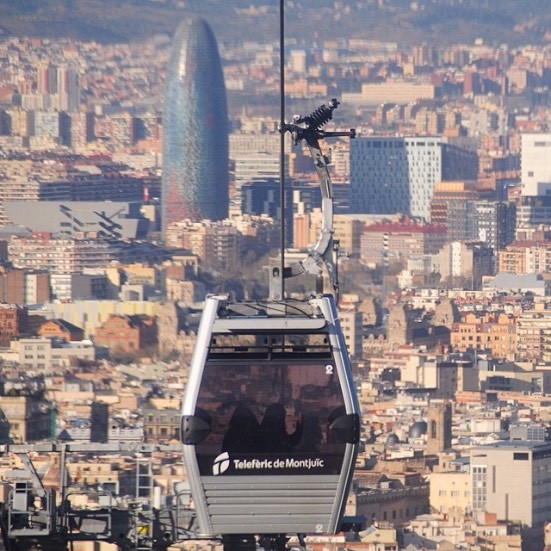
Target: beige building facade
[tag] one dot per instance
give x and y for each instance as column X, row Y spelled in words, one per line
column 512, row 479
column 450, row 493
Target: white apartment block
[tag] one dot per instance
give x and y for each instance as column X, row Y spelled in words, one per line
column 535, row 164
column 394, row 174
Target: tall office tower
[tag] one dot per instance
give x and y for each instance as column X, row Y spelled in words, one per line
column 195, row 129
column 534, row 204
column 535, row 164
column 251, row 168
column 254, row 152
column 398, row 175
column 68, row 89
column 46, row 78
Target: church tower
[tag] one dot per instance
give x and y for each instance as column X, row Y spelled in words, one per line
column 439, row 427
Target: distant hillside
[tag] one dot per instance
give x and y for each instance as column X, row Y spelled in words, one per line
column 405, row 21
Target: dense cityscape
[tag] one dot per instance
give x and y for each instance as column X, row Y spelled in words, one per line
column 111, row 236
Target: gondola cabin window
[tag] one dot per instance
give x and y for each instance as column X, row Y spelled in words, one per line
column 270, row 417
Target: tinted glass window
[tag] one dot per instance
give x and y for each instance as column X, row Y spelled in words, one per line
column 270, row 417
column 520, row 456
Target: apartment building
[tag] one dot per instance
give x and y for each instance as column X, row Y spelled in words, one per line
column 128, row 334
column 43, row 251
column 497, row 334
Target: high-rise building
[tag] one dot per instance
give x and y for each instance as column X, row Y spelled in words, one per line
column 195, row 128
column 471, row 215
column 398, row 175
column 533, row 215
column 536, row 164
column 68, row 89
column 56, row 88
column 46, row 79
column 250, row 169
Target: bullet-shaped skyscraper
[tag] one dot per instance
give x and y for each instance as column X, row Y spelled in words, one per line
column 195, row 129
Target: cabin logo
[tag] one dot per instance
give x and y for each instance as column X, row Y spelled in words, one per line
column 221, row 464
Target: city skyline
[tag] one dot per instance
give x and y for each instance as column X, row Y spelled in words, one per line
column 430, row 21
column 445, row 292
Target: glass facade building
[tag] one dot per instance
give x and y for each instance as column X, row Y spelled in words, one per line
column 398, row 174
column 195, row 126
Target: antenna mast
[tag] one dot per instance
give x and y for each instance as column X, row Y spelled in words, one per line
column 277, row 280
column 310, row 129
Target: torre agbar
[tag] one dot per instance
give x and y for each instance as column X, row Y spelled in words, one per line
column 195, row 128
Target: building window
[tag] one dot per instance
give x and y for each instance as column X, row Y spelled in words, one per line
column 479, row 487
column 520, row 456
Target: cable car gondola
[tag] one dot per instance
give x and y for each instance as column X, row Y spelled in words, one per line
column 270, row 417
